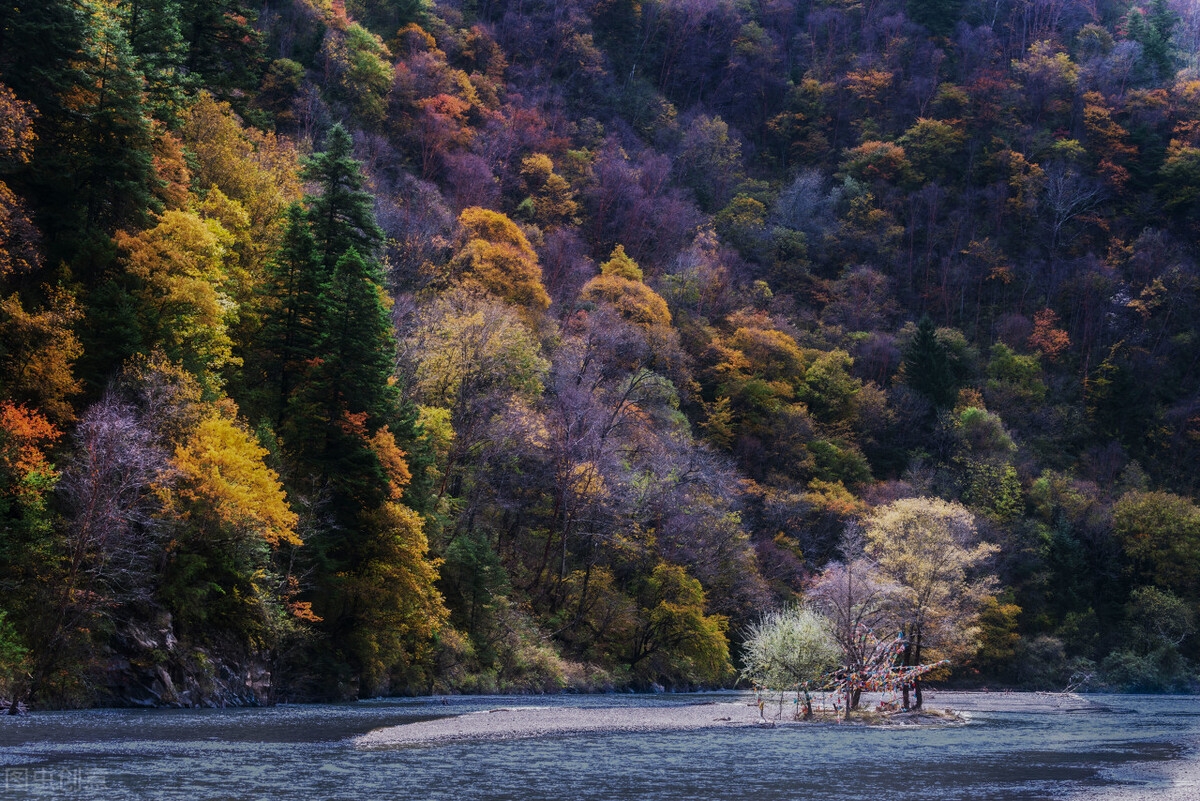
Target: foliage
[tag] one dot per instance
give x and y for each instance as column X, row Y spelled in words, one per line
column 1159, row 532
column 227, row 489
column 929, row 548
column 12, row 657
column 787, row 648
column 674, row 638
column 184, row 308
column 497, row 256
column 528, row 346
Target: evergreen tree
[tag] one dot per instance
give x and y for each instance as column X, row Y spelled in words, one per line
column 938, row 16
column 91, row 170
column 91, row 166
column 295, row 283
column 385, row 17
column 113, row 173
column 356, row 341
column 347, row 393
column 343, row 423
column 343, row 215
column 39, row 40
column 1152, row 29
column 156, row 39
column 224, row 48
column 927, row 367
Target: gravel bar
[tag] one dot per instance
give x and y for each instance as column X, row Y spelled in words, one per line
column 514, row 722
column 532, row 721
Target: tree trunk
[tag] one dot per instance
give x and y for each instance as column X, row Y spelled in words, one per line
column 917, row 661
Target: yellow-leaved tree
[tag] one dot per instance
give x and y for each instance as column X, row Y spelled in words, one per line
column 674, row 637
column 230, row 515
column 620, row 285
column 390, row 594
column 245, row 179
column 496, row 255
column 39, row 351
column 399, row 609
column 228, row 489
column 184, row 308
column 931, row 551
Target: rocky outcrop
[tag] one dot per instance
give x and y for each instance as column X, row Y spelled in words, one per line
column 150, row 666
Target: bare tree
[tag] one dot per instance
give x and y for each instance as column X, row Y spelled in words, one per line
column 111, row 551
column 1068, row 195
column 108, row 492
column 859, row 602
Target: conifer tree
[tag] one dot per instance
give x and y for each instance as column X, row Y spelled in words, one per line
column 347, row 394
column 938, row 16
column 927, row 367
column 290, row 327
column 224, row 48
column 38, row 42
column 343, row 424
column 157, row 42
column 91, row 170
column 343, row 215
column 112, row 174
column 1152, row 28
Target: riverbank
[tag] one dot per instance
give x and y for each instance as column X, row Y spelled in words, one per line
column 1176, row 779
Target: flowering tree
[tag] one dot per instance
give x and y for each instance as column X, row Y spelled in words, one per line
column 790, row 648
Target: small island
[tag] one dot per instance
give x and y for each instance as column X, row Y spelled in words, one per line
column 944, row 708
column 527, row 722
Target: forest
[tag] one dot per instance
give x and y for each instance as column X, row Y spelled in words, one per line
column 371, row 347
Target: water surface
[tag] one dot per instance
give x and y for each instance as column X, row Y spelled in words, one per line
column 307, row 752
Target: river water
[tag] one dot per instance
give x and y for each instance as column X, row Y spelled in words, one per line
column 307, row 752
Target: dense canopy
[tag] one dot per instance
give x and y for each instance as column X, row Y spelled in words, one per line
column 375, row 347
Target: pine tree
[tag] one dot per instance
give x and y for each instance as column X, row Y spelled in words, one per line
column 343, row 215
column 927, row 367
column 356, row 341
column 343, row 422
column 347, row 393
column 224, row 48
column 91, row 172
column 295, row 283
column 156, row 39
column 91, row 169
column 113, row 173
column 39, row 40
column 1152, row 29
column 939, row 16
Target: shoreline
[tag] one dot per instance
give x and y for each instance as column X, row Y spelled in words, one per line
column 1175, row 779
column 507, row 723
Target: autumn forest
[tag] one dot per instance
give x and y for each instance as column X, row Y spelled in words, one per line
column 368, row 347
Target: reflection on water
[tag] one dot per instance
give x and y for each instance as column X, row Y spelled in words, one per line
column 305, row 752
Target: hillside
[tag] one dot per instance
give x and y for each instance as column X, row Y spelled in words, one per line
column 391, row 346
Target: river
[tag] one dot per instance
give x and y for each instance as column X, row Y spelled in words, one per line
column 307, row 752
